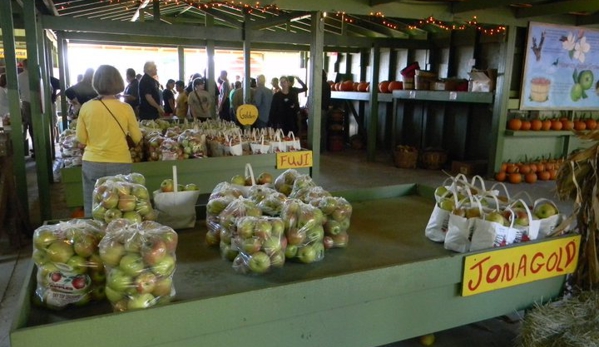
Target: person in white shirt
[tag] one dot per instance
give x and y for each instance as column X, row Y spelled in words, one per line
column 23, row 79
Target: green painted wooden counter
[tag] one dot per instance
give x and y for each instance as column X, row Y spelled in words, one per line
column 205, row 172
column 390, row 284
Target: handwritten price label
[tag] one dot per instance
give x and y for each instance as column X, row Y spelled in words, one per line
column 247, row 114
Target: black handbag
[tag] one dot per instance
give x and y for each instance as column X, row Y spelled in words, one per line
column 130, row 143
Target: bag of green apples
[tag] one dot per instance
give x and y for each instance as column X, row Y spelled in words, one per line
column 337, row 212
column 548, row 214
column 261, row 244
column 139, row 260
column 222, row 195
column 227, row 219
column 69, row 269
column 304, row 231
column 122, row 196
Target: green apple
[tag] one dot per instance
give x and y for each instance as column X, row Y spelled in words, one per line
column 141, row 301
column 165, row 267
column 447, row 204
column 496, row 217
column 111, row 253
column 191, row 187
column 118, row 280
column 291, row 251
column 163, row 287
column 585, row 79
column 113, row 295
column 238, row 179
column 77, row 264
column 545, row 210
column 84, row 245
column 60, row 251
column 576, row 92
column 43, row 237
column 132, row 264
column 306, row 254
column 259, row 262
column 40, row 257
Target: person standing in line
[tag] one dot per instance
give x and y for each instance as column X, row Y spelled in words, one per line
column 168, row 98
column 274, row 82
column 200, row 101
column 263, row 99
column 284, row 108
column 149, row 93
column 80, row 93
column 131, row 93
column 181, row 104
column 223, row 96
column 101, row 128
column 25, row 93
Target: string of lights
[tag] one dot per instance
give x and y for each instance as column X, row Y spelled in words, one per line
column 377, row 17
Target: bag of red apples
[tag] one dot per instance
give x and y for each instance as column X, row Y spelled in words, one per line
column 69, row 269
column 140, row 261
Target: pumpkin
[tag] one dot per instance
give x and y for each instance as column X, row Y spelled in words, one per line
column 530, row 177
column 384, row 87
column 514, row 124
column 515, row 178
column 556, row 125
column 525, row 125
column 395, row 85
column 362, row 86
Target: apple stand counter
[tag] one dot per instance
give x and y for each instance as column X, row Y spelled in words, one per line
column 391, row 283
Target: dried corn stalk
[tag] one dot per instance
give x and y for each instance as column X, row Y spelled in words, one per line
column 577, row 179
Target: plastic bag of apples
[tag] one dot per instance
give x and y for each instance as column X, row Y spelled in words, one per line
column 139, row 260
column 69, row 269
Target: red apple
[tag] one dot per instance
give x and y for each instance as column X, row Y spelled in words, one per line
column 167, row 185
column 153, row 251
column 145, row 282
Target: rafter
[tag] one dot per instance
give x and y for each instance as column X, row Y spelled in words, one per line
column 557, row 8
column 140, row 8
column 277, row 20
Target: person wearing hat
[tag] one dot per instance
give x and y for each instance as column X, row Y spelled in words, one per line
column 201, row 103
column 168, row 97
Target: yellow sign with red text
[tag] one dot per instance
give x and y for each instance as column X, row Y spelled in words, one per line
column 511, row 266
column 294, row 160
column 19, row 53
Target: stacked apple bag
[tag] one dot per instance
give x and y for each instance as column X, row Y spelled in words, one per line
column 122, row 196
column 69, row 268
column 140, row 260
column 240, row 220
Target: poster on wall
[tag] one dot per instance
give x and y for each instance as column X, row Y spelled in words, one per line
column 561, row 68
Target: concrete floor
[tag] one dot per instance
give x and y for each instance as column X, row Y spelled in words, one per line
column 342, row 170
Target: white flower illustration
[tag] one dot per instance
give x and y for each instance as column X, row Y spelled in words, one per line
column 581, row 48
column 569, row 43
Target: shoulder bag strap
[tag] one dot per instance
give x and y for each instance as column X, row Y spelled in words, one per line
column 117, row 122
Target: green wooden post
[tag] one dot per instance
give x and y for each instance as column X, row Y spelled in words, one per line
column 39, row 130
column 315, row 90
column 63, row 77
column 373, row 120
column 502, row 94
column 8, row 40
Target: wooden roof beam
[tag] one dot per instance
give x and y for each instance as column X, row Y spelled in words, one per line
column 557, row 8
column 276, row 20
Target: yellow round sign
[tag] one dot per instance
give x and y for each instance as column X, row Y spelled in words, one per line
column 247, row 114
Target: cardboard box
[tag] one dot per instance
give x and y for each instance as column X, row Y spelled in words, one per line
column 479, row 82
column 469, row 168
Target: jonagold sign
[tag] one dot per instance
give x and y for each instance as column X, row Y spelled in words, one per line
column 511, row 266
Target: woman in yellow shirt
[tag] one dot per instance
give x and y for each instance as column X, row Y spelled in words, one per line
column 106, row 150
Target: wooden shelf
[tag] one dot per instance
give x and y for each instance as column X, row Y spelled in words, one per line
column 539, row 133
column 445, row 96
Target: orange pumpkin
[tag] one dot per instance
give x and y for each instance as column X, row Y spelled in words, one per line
column 544, row 175
column 524, row 168
column 511, row 168
column 546, row 125
column 500, row 176
column 530, row 177
column 525, row 125
column 552, row 174
column 567, row 124
column 591, row 124
column 556, row 125
column 514, row 124
column 515, row 178
column 362, row 86
column 395, row 85
column 347, row 86
column 580, row 125
column 536, row 124
column 384, row 87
